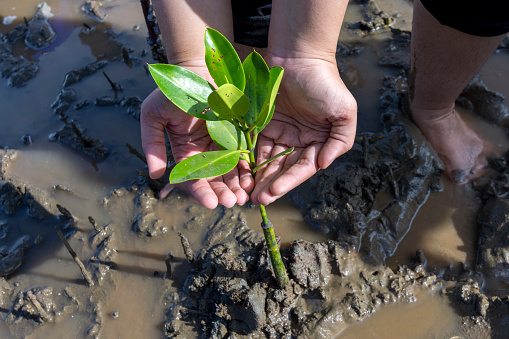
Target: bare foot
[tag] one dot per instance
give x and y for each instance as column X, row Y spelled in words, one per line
column 463, row 152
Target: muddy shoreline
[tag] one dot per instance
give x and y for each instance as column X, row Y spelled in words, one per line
column 171, row 268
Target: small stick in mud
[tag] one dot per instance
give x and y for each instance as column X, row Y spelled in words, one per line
column 84, row 272
column 127, row 58
column 78, row 133
column 116, row 87
column 44, row 315
column 135, row 152
column 167, row 261
column 187, row 247
column 94, row 223
column 64, row 211
column 145, row 5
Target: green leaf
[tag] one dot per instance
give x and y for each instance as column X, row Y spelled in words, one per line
column 204, row 165
column 257, row 79
column 222, row 61
column 228, row 102
column 275, row 76
column 226, row 135
column 186, row 89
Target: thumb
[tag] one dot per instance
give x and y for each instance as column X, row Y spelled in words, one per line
column 153, row 143
column 340, row 141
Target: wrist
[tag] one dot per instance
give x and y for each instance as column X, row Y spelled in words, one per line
column 283, row 57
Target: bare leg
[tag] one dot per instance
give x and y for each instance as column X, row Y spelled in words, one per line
column 444, row 61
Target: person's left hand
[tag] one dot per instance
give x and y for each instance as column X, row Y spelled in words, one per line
column 316, row 114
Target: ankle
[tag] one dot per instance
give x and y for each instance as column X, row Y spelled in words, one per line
column 427, row 115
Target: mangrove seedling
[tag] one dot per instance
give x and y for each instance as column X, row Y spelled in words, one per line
column 235, row 113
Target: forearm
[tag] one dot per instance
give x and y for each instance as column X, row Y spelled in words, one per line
column 307, row 28
column 182, row 25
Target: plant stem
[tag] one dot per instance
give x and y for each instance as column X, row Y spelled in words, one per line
column 268, row 230
column 275, row 256
column 285, row 152
column 252, row 161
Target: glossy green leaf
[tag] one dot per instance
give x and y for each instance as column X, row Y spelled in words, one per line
column 204, row 165
column 226, row 135
column 228, row 102
column 275, row 76
column 186, row 89
column 222, row 60
column 257, row 79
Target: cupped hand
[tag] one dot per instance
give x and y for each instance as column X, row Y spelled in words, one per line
column 316, row 114
column 188, row 136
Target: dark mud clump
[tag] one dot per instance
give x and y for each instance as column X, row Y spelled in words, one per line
column 486, row 103
column 94, row 10
column 15, row 192
column 145, row 220
column 375, row 20
column 396, row 51
column 493, row 257
column 38, row 34
column 16, row 69
column 73, row 135
column 78, row 74
column 64, row 100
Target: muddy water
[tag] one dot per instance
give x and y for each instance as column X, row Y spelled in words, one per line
column 428, row 317
column 444, row 227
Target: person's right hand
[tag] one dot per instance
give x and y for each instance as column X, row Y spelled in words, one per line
column 188, row 136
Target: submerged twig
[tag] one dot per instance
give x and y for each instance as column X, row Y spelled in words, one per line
column 43, row 313
column 114, row 86
column 84, row 272
column 136, row 153
column 188, row 252
column 94, row 223
column 167, row 261
column 65, row 212
column 78, row 133
column 127, row 58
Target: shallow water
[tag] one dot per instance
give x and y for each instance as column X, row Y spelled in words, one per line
column 428, row 317
column 444, row 226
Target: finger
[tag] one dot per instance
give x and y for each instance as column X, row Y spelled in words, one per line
column 202, row 191
column 265, row 175
column 265, row 149
column 246, row 179
column 299, row 166
column 153, row 144
column 296, row 171
column 224, row 195
column 340, row 141
column 232, row 181
column 163, row 193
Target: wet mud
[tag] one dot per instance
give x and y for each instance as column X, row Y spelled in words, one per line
column 138, row 266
